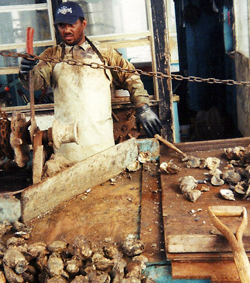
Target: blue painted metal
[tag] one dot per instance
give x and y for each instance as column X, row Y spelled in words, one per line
column 176, row 123
column 228, row 30
column 151, row 145
column 161, row 273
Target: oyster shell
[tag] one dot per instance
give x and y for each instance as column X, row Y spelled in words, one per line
column 170, row 167
column 217, row 181
column 55, row 265
column 187, row 183
column 234, row 153
column 82, row 247
column 231, row 177
column 212, row 163
column 15, row 260
column 205, row 188
column 144, row 156
column 57, row 246
column 73, row 265
column 194, row 195
column 193, row 162
column 135, row 166
column 227, row 194
column 247, row 193
column 101, row 263
column 132, row 246
column 241, row 188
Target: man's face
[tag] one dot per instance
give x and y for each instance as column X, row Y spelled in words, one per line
column 73, row 34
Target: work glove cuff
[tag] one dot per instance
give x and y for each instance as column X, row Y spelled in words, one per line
column 142, row 109
column 27, row 65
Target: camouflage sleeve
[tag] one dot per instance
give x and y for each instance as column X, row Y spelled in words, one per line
column 129, row 81
column 42, row 72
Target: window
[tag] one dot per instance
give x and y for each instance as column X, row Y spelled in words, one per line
column 126, row 24
column 16, row 16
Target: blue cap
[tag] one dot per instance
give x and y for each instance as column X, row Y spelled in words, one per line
column 68, row 12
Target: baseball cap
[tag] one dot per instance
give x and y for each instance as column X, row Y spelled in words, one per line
column 68, row 12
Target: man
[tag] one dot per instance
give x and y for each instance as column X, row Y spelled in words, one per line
column 83, row 94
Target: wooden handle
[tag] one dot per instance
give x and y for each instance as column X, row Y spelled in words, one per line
column 235, row 241
column 170, row 145
column 225, row 211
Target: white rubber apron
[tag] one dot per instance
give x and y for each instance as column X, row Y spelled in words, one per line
column 82, row 94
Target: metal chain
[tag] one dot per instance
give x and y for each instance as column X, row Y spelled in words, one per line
column 93, row 65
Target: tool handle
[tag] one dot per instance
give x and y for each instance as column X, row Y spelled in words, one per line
column 29, row 40
column 170, row 145
column 226, row 211
column 235, row 241
column 243, row 266
column 30, row 50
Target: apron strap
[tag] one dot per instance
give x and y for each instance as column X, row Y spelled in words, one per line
column 98, row 54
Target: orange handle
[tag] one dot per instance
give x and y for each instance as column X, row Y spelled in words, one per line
column 29, row 40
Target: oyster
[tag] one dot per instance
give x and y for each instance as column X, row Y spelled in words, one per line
column 117, row 272
column 194, row 195
column 134, row 269
column 132, row 246
column 239, row 153
column 144, row 156
column 35, row 249
column 57, row 246
column 56, row 266
column 101, row 263
column 82, row 247
column 57, row 279
column 187, row 183
column 227, row 194
column 2, row 277
column 5, row 227
column 205, row 188
column 170, row 167
column 73, row 265
column 247, row 193
column 217, row 181
column 234, row 153
column 212, row 163
column 11, row 275
column 111, row 252
column 135, row 166
column 15, row 260
column 241, row 188
column 193, row 162
column 231, row 177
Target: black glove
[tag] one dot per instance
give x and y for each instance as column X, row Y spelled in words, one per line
column 27, row 65
column 149, row 120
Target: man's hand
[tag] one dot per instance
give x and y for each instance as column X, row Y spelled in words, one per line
column 149, row 120
column 27, row 65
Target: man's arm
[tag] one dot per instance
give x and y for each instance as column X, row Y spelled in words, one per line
column 138, row 95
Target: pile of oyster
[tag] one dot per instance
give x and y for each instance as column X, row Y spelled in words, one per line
column 60, row 262
column 236, row 175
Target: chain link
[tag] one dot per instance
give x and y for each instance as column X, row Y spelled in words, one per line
column 139, row 72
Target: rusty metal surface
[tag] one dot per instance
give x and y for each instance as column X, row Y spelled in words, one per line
column 217, row 272
column 151, row 224
column 124, row 124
